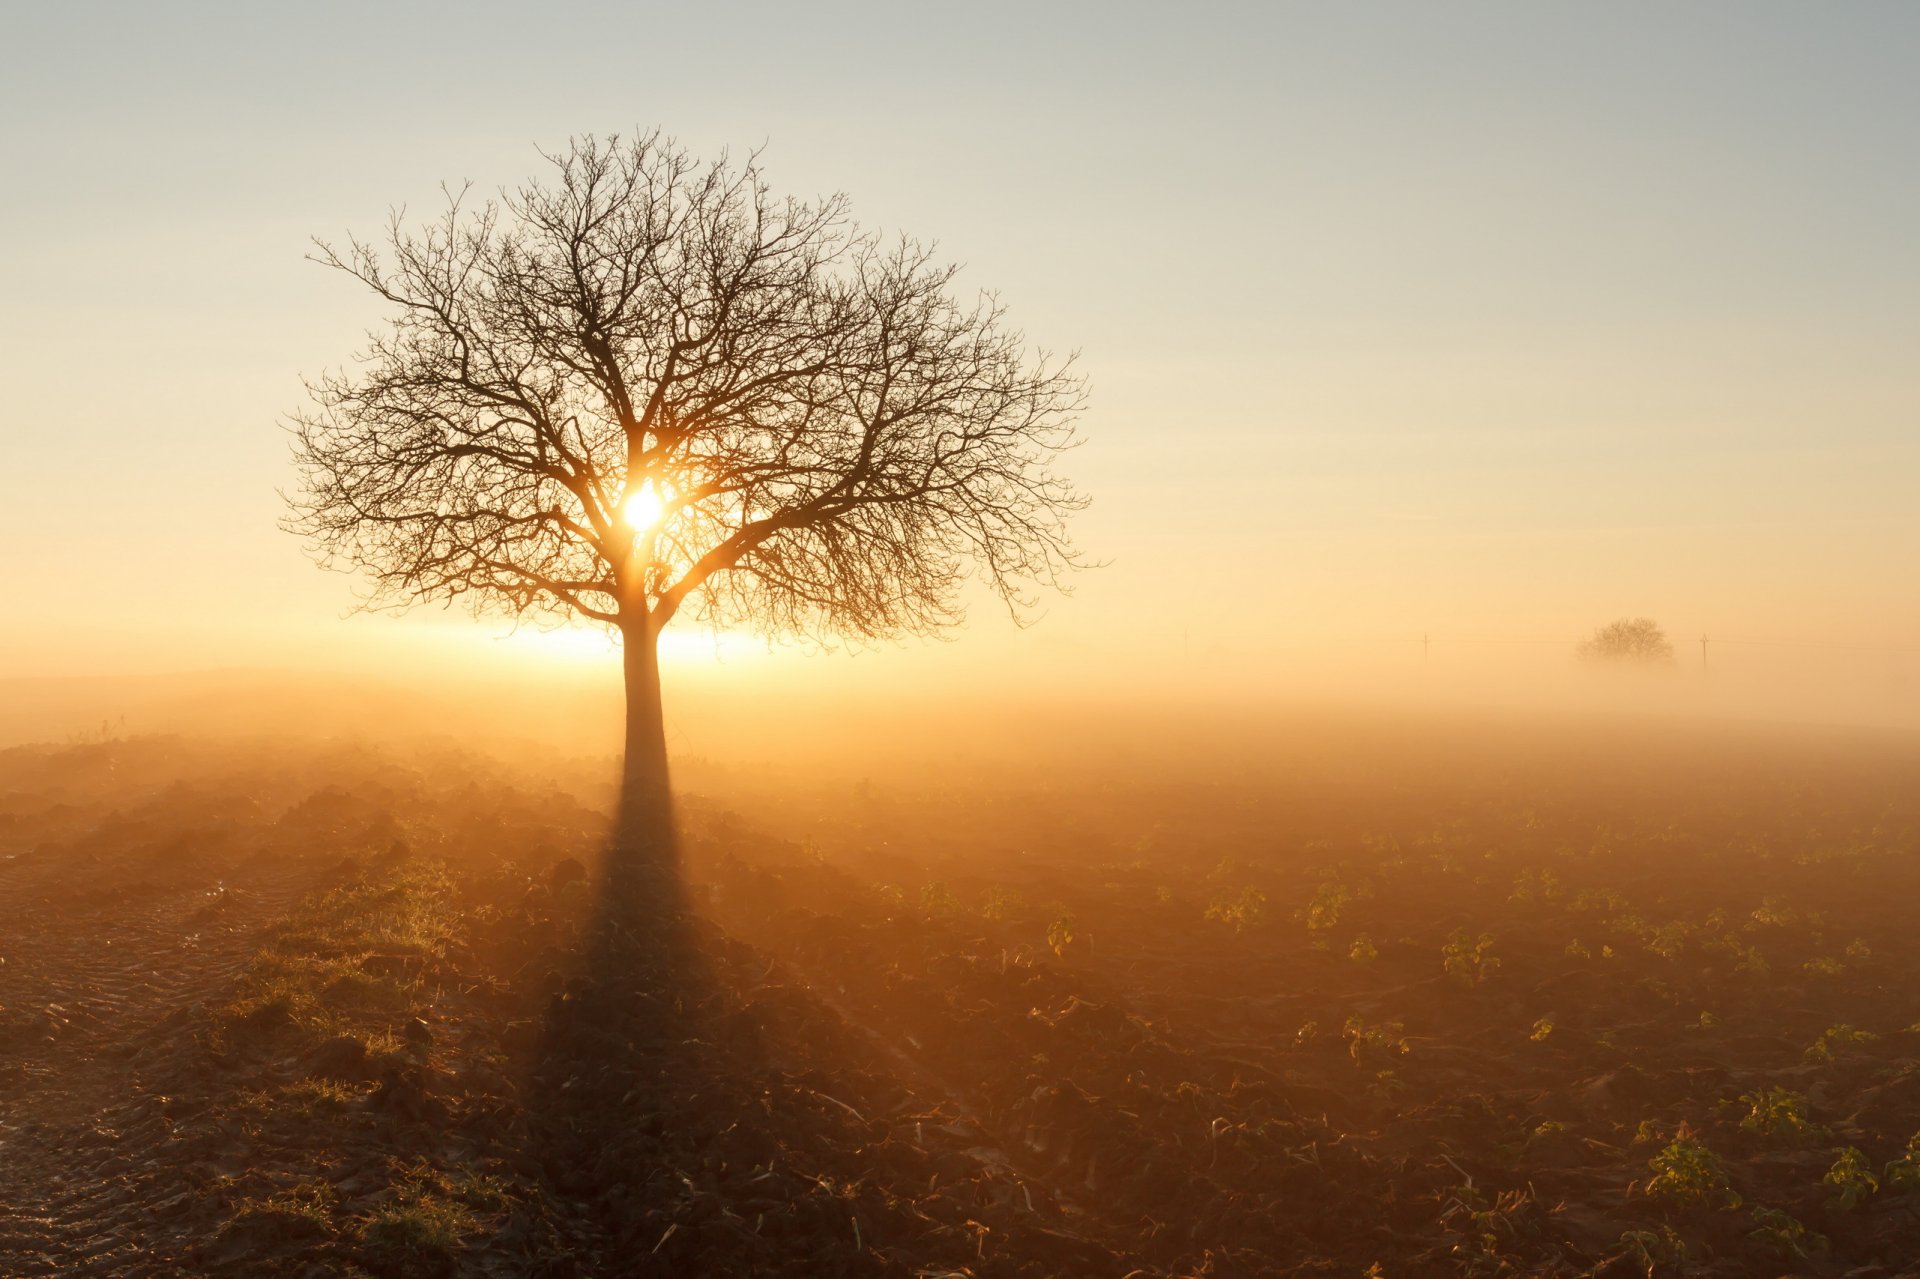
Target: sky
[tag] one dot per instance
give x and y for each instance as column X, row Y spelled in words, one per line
column 1486, row 323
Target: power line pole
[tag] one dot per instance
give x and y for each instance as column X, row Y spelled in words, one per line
column 1703, row 654
column 1423, row 646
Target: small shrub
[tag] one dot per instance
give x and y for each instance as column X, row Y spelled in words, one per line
column 1669, row 941
column 1784, row 1235
column 1466, row 958
column 1903, row 1174
column 1324, row 910
column 1689, row 1176
column 1654, row 1251
column 1852, row 1181
column 1535, row 885
column 1241, row 910
column 1384, row 1038
column 998, row 904
column 1777, row 1112
column 1060, row 933
column 1363, row 950
column 1835, row 1040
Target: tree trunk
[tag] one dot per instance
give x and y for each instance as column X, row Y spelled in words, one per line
column 644, row 863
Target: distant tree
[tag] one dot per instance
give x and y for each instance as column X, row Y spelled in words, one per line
column 1629, row 640
column 646, row 387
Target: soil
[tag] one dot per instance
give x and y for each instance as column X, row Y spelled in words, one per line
column 316, row 1013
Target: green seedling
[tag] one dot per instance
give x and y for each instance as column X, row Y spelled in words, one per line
column 1784, row 1235
column 1852, row 1181
column 1777, row 1112
column 1654, row 1251
column 1240, row 910
column 1535, row 885
column 1060, row 934
column 998, row 904
column 1324, row 910
column 1836, row 1039
column 1669, row 941
column 1687, row 1176
column 1466, row 957
column 1388, row 1037
column 1903, row 1174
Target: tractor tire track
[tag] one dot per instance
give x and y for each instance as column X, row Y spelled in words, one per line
column 99, row 966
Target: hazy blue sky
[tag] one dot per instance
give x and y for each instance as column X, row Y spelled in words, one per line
column 1489, row 320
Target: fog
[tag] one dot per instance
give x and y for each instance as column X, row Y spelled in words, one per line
column 938, row 710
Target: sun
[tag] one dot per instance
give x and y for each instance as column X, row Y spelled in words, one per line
column 644, row 509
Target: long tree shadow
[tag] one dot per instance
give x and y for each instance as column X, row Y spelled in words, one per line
column 644, row 1059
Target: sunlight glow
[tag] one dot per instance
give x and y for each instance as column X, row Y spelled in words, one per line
column 644, row 509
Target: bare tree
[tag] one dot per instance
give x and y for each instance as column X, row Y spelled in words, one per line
column 646, row 387
column 1631, row 639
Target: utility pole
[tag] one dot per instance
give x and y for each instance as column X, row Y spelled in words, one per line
column 1423, row 646
column 1703, row 654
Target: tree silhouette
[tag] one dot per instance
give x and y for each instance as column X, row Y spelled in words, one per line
column 1629, row 640
column 645, row 387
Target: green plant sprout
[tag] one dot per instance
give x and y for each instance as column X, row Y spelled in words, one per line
column 1837, row 1037
column 1466, row 959
column 1386, row 1037
column 1324, row 910
column 1903, row 1174
column 998, row 904
column 1242, row 910
column 1653, row 1252
column 1786, row 1236
column 1689, row 1176
column 1060, row 934
column 1777, row 1112
column 1852, row 1181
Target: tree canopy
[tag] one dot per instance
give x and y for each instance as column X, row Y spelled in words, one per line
column 646, row 386
column 1629, row 640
